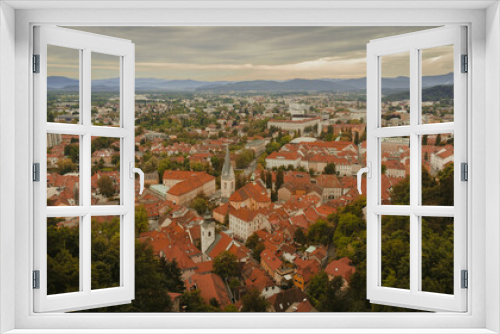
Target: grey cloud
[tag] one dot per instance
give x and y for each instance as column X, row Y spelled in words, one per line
column 273, row 46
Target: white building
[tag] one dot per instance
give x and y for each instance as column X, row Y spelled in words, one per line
column 243, row 222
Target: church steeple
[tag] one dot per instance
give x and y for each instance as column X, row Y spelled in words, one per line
column 227, row 177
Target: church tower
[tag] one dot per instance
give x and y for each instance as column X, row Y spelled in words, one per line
column 227, row 185
column 207, row 233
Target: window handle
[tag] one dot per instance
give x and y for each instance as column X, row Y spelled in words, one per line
column 139, row 171
column 368, row 171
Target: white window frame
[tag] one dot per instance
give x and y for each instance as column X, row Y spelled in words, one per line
column 484, row 101
column 86, row 44
column 413, row 44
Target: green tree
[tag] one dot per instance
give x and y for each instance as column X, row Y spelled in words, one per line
column 230, row 308
column 424, row 139
column 299, row 236
column 141, row 220
column 226, row 265
column 172, row 274
column 317, row 287
column 252, row 301
column 106, row 186
column 269, row 180
column 329, row 169
column 356, row 138
column 258, row 250
column 73, row 152
column 66, row 166
column 280, row 178
column 438, row 140
column 191, row 301
column 274, row 196
column 252, row 241
column 200, row 205
column 320, row 232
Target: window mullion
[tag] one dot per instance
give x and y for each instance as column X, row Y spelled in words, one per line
column 414, row 170
column 85, row 244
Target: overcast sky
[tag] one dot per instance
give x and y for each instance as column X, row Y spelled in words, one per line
column 250, row 53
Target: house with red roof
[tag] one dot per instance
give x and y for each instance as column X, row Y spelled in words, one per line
column 341, row 267
column 283, row 159
column 330, row 185
column 220, row 212
column 306, row 269
column 274, row 267
column 184, row 186
column 253, row 196
column 256, row 278
column 210, row 286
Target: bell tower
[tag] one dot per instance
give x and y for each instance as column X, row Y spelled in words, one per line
column 207, row 233
column 228, row 183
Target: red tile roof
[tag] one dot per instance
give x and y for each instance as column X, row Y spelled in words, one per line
column 328, row 181
column 253, row 190
column 300, row 220
column 341, row 267
column 324, row 210
column 204, row 267
column 283, row 155
column 221, row 245
column 307, row 268
column 190, row 184
column 272, row 261
column 210, row 286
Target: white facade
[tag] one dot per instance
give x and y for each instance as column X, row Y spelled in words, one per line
column 243, row 229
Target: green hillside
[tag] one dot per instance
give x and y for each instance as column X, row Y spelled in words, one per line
column 436, row 93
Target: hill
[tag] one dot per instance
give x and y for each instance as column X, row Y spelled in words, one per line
column 435, row 93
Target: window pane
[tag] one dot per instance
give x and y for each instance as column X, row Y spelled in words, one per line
column 63, row 255
column 63, row 84
column 396, row 252
column 105, row 90
column 105, row 171
column 437, row 254
column 63, row 168
column 437, row 169
column 395, row 76
column 437, row 85
column 395, row 168
column 105, row 252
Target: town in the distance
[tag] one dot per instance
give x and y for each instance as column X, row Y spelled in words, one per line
column 251, row 198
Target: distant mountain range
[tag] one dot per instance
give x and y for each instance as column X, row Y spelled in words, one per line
column 150, row 85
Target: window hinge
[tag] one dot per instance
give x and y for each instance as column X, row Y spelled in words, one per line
column 36, row 172
column 464, row 172
column 465, row 279
column 465, row 63
column 36, row 63
column 36, row 279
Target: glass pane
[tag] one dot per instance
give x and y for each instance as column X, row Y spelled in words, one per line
column 105, row 90
column 105, row 252
column 437, row 254
column 63, row 85
column 396, row 252
column 395, row 77
column 63, row 255
column 63, row 168
column 437, row 85
column 105, row 171
column 395, row 168
column 437, row 169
